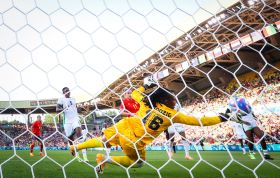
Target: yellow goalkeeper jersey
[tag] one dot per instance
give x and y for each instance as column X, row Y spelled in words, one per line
column 152, row 122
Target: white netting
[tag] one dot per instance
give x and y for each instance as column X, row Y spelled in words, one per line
column 204, row 51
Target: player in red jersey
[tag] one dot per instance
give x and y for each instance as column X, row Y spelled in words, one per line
column 129, row 106
column 36, row 129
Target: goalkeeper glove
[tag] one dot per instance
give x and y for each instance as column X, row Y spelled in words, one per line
column 224, row 117
column 229, row 116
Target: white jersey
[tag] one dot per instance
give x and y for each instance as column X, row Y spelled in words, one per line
column 250, row 119
column 177, row 107
column 84, row 134
column 176, row 127
column 238, row 130
column 69, row 109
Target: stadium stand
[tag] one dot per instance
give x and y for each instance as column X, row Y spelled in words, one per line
column 216, row 101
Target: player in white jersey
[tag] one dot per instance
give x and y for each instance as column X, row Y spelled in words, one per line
column 251, row 128
column 240, row 134
column 241, row 111
column 71, row 123
column 170, row 133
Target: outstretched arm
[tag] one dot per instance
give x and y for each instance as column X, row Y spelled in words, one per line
column 191, row 120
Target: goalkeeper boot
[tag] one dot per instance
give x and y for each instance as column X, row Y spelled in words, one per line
column 251, row 156
column 100, row 163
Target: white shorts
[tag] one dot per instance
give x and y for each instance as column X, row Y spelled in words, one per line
column 238, row 129
column 251, row 120
column 84, row 136
column 69, row 128
column 176, row 128
column 83, row 139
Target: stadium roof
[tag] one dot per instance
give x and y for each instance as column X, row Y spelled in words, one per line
column 215, row 32
column 40, row 106
column 231, row 28
column 19, row 107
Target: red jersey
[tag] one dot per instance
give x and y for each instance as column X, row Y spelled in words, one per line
column 36, row 128
column 130, row 105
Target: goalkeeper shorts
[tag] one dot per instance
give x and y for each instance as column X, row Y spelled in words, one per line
column 121, row 134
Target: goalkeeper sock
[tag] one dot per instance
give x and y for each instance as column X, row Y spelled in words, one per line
column 124, row 161
column 92, row 143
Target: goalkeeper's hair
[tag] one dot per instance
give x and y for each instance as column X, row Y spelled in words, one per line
column 160, row 96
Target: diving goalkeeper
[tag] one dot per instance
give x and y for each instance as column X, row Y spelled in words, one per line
column 134, row 133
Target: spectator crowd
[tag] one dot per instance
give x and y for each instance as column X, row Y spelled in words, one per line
column 261, row 92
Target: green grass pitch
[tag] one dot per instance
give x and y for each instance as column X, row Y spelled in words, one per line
column 15, row 168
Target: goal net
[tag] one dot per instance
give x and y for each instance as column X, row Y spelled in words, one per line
column 201, row 52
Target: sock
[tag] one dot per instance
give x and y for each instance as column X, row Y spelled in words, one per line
column 84, row 151
column 122, row 160
column 243, row 149
column 32, row 147
column 77, row 155
column 166, row 146
column 92, row 143
column 174, row 148
column 41, row 147
column 108, row 150
column 265, row 152
column 186, row 147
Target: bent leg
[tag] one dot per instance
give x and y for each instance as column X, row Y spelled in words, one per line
column 259, row 133
column 250, row 142
column 125, row 161
column 131, row 158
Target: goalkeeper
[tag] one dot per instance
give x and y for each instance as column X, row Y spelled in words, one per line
column 133, row 134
